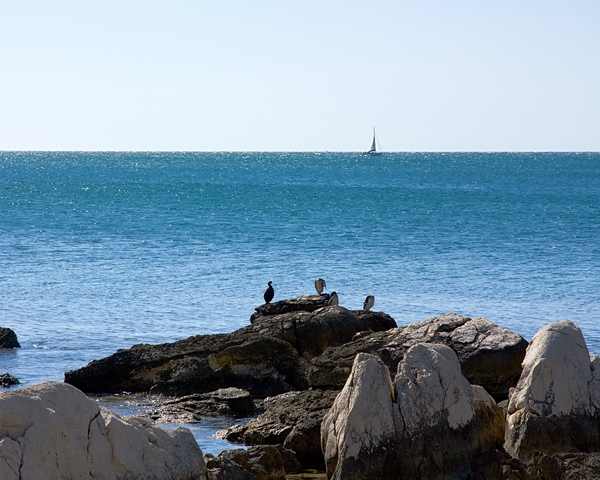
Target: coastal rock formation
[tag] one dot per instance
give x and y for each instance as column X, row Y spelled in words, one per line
column 292, row 420
column 359, row 433
column 262, row 365
column 555, row 406
column 232, row 402
column 8, row 338
column 304, row 303
column 489, row 355
column 430, row 423
column 376, row 321
column 266, row 358
column 311, row 332
column 53, row 431
column 6, row 380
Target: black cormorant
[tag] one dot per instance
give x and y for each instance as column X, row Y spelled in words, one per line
column 269, row 293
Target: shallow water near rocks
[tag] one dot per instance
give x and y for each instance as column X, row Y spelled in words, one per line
column 104, row 250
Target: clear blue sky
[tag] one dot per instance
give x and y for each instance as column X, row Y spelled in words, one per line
column 306, row 75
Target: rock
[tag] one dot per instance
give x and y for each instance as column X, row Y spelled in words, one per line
column 376, row 321
column 305, row 303
column 358, row 433
column 262, row 365
column 292, row 420
column 489, row 355
column 554, row 407
column 220, row 468
column 262, row 461
column 6, row 380
column 233, row 402
column 53, row 431
column 431, row 423
column 8, row 338
column 311, row 332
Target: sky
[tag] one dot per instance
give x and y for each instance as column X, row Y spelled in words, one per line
column 309, row 75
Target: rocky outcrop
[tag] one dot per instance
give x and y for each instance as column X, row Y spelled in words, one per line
column 8, row 338
column 304, row 303
column 555, row 405
column 262, row 365
column 376, row 321
column 292, row 420
column 430, row 423
column 311, row 332
column 231, row 402
column 266, row 358
column 489, row 355
column 53, row 431
column 7, row 380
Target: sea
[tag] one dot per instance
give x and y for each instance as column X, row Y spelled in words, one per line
column 104, row 250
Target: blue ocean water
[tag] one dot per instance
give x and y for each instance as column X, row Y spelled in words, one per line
column 100, row 251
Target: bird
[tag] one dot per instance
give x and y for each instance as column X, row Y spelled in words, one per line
column 333, row 299
column 269, row 293
column 320, row 285
column 369, row 302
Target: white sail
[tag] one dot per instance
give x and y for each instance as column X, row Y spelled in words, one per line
column 373, row 150
column 373, row 146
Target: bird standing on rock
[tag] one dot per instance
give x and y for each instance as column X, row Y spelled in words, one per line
column 269, row 293
column 369, row 302
column 333, row 299
column 320, row 285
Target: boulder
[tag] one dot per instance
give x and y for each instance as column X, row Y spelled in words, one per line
column 304, row 303
column 262, row 365
column 554, row 407
column 489, row 355
column 376, row 321
column 53, row 431
column 311, row 332
column 8, row 338
column 219, row 468
column 359, row 432
column 262, row 461
column 292, row 420
column 430, row 423
column 233, row 402
column 6, row 380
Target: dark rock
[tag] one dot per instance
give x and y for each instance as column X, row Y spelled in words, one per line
column 8, row 338
column 305, row 303
column 262, row 461
column 292, row 420
column 311, row 332
column 490, row 355
column 6, row 380
column 232, row 402
column 219, row 468
column 376, row 321
column 499, row 465
column 262, row 365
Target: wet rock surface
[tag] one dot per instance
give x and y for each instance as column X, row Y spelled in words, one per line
column 7, row 380
column 231, row 402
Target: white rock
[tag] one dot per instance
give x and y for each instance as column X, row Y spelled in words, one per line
column 429, row 387
column 556, row 373
column 361, row 421
column 52, row 431
column 553, row 408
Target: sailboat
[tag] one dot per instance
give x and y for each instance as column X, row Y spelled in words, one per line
column 373, row 150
